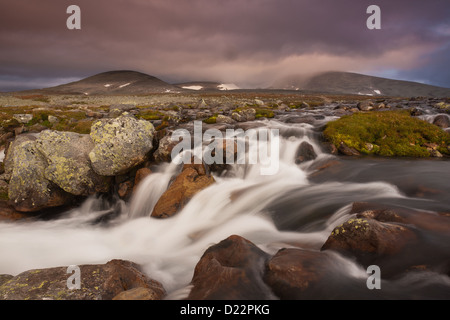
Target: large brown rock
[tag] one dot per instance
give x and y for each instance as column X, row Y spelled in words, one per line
column 138, row 294
column 187, row 184
column 420, row 244
column 98, row 282
column 369, row 239
column 230, row 270
column 292, row 273
column 141, row 174
column 8, row 213
column 305, row 152
column 376, row 235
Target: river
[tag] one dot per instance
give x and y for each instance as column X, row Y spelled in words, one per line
column 298, row 206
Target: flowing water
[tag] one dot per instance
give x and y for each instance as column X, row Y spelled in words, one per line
column 299, row 206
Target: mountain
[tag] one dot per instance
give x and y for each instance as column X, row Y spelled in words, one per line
column 354, row 83
column 114, row 83
column 127, row 82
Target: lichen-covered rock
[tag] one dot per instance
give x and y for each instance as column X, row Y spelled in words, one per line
column 5, row 278
column 97, row 282
column 29, row 189
column 369, row 240
column 224, row 119
column 120, row 144
column 23, row 118
column 67, row 156
column 248, row 114
column 9, row 155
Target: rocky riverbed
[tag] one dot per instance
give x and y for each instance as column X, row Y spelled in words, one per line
column 95, row 172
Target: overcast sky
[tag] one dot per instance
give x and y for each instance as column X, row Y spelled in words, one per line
column 246, row 42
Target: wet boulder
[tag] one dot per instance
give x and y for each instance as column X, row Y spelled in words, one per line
column 372, row 236
column 297, row 274
column 230, row 270
column 141, row 174
column 305, row 152
column 291, row 273
column 186, row 185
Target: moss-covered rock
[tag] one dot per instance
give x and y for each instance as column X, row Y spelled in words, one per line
column 387, row 133
column 120, row 144
column 67, row 156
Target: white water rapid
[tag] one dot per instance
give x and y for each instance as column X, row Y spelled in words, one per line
column 273, row 212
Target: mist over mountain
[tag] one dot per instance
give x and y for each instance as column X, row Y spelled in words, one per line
column 354, row 83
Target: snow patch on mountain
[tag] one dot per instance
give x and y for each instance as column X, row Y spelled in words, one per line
column 193, row 87
column 227, row 86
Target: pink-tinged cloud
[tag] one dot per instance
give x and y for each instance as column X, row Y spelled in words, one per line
column 249, row 42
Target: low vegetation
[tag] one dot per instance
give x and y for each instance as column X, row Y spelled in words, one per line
column 388, row 133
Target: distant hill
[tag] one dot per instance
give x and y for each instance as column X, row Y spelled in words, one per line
column 354, row 83
column 114, row 83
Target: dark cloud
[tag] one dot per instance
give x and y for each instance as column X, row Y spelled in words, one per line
column 246, row 41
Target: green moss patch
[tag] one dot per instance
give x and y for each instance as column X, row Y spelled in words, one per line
column 150, row 115
column 264, row 113
column 388, row 133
